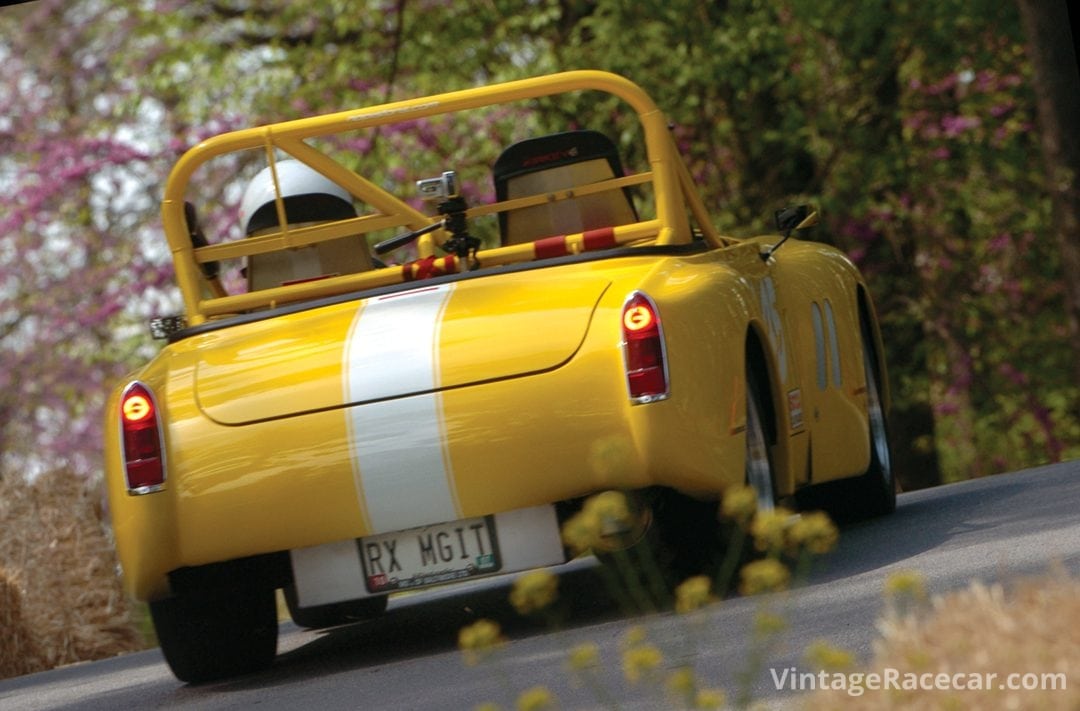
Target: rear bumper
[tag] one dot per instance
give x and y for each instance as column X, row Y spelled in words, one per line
column 342, row 571
column 292, row 483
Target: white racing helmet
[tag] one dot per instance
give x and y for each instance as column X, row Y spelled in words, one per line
column 309, row 196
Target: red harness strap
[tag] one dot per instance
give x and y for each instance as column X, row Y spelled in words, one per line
column 602, row 238
column 550, row 247
column 558, row 246
column 429, row 267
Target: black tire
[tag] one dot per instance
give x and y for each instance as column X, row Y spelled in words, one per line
column 216, row 634
column 880, row 498
column 340, row 613
column 873, row 493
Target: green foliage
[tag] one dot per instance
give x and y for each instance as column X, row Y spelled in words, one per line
column 911, row 124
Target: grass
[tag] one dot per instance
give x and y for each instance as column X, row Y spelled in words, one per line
column 983, row 634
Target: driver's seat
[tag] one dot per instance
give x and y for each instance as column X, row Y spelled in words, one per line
column 555, row 162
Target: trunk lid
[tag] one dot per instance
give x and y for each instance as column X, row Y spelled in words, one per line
column 422, row 340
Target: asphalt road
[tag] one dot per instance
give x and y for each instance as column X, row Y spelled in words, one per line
column 992, row 529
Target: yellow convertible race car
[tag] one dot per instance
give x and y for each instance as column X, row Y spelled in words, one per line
column 374, row 390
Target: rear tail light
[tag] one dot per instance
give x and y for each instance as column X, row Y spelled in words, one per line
column 644, row 352
column 143, row 450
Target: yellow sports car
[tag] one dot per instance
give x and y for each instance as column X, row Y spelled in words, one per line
column 366, row 395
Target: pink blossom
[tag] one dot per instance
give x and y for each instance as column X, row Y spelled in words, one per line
column 955, row 125
column 999, row 243
column 942, row 86
column 857, row 229
column 1009, row 371
column 946, row 408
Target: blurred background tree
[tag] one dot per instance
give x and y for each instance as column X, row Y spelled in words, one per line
column 916, row 127
column 80, row 255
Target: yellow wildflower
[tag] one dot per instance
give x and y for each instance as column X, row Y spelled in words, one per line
column 769, row 528
column 763, row 576
column 906, row 584
column 768, row 623
column 612, row 510
column 487, row 706
column 919, row 659
column 581, row 532
column 584, row 656
column 813, row 531
column 681, row 683
column 602, row 524
column 710, row 699
column 536, row 698
column 534, row 591
column 640, row 661
column 823, row 655
column 693, row 593
column 479, row 639
column 739, row 504
column 633, row 637
column 482, row 634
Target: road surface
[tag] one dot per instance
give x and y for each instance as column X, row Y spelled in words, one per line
column 992, row 529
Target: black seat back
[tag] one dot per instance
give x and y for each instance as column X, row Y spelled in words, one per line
column 552, row 163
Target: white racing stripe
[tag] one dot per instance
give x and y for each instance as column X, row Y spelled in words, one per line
column 402, row 476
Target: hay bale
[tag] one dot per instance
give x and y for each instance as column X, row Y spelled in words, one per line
column 54, row 543
column 18, row 652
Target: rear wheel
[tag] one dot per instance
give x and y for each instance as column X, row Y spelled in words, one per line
column 687, row 537
column 874, row 492
column 882, row 493
column 219, row 633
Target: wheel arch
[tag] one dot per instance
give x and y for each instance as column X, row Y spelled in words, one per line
column 760, row 364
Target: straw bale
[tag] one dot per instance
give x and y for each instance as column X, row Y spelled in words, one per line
column 19, row 653
column 60, row 591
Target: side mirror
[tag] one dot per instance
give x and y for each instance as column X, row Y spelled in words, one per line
column 797, row 217
column 789, row 219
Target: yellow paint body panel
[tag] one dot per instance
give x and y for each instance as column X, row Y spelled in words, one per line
column 505, row 388
column 293, row 363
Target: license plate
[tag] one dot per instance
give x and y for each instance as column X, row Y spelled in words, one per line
column 432, row 554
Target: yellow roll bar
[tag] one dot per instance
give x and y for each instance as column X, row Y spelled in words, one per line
column 671, row 182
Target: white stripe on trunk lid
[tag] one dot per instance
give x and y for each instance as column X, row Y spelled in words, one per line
column 402, row 475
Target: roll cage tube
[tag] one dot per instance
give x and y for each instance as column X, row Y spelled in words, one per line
column 672, row 186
